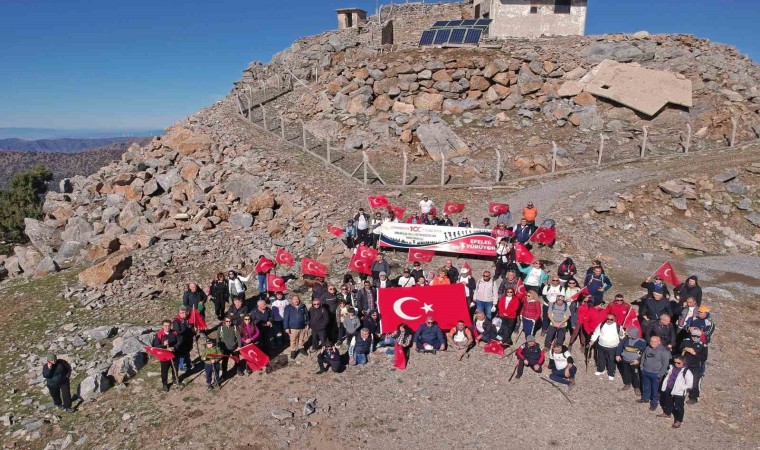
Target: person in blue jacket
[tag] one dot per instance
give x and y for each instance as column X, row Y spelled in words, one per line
column 597, row 283
column 429, row 337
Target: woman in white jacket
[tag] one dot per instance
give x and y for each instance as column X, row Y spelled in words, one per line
column 236, row 283
column 675, row 384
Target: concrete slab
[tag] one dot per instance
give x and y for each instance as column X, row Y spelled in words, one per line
column 636, row 87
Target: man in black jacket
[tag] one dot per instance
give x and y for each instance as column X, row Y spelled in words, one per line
column 664, row 329
column 195, row 298
column 366, row 298
column 186, row 331
column 57, row 374
column 319, row 320
column 329, row 356
column 694, row 353
column 167, row 339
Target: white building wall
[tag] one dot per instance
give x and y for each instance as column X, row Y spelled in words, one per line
column 513, row 18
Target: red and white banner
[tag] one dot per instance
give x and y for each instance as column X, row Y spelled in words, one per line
column 312, row 267
column 494, row 347
column 254, row 357
column 284, row 257
column 398, row 212
column 335, row 230
column 366, row 253
column 400, row 357
column 275, row 283
column 523, row 255
column 196, row 320
column 161, row 354
column 544, row 236
column 470, row 241
column 447, row 304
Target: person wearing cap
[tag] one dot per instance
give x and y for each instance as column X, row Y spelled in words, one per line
column 557, row 317
column 628, row 357
column 380, row 265
column 597, row 283
column 704, row 323
column 654, row 365
column 609, row 335
column 469, row 283
column 694, row 353
column 429, row 337
column 530, row 213
column 211, row 355
column 406, row 279
column 486, row 294
column 504, row 217
column 505, row 258
column 530, row 354
column 676, row 382
column 465, row 223
column 689, row 288
column 652, row 309
column 57, row 375
column 329, row 358
column 361, row 219
column 460, row 339
column 186, row 331
column 652, row 284
column 562, row 365
column 383, row 281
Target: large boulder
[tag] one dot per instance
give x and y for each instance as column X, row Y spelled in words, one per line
column 93, row 386
column 437, row 138
column 431, row 102
column 244, row 187
column 679, row 237
column 169, row 179
column 101, row 333
column 527, row 81
column 125, row 345
column 126, row 367
column 109, row 270
column 187, row 141
column 241, row 220
column 43, row 237
column 28, row 258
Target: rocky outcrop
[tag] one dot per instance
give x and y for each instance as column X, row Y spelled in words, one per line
column 107, row 271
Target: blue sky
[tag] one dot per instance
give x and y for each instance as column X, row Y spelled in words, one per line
column 143, row 64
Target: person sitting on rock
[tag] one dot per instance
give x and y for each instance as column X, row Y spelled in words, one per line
column 531, row 355
column 562, row 365
column 57, row 375
column 460, row 339
column 360, row 347
column 194, row 297
column 329, row 358
column 429, row 337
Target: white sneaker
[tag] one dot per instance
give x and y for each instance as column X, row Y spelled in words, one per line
column 598, row 373
column 611, row 378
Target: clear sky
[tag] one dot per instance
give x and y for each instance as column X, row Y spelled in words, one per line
column 144, row 64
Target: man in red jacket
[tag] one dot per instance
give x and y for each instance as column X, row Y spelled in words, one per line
column 530, row 354
column 619, row 308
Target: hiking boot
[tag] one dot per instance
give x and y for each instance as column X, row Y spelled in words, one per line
column 626, row 387
column 692, row 401
column 166, row 388
column 68, row 410
column 663, row 415
column 210, row 387
column 320, row 371
column 293, row 355
column 518, row 376
column 641, row 400
column 653, row 408
column 611, row 378
column 598, row 373
column 676, row 424
column 637, row 391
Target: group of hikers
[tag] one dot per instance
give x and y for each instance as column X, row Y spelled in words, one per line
column 659, row 342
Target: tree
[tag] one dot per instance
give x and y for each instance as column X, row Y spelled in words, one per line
column 22, row 199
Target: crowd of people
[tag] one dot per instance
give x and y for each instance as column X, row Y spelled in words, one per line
column 659, row 342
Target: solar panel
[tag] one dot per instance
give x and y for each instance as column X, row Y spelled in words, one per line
column 457, row 35
column 441, row 37
column 482, row 28
column 427, row 37
column 469, row 22
column 473, row 36
column 454, row 23
column 440, row 23
column 484, row 22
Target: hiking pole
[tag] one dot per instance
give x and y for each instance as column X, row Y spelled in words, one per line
column 557, row 388
column 513, row 372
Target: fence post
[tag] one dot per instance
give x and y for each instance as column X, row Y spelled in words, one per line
column 443, row 169
column 644, row 142
column 688, row 138
column 303, row 134
column 282, row 127
column 734, row 122
column 263, row 116
column 554, row 156
column 403, row 174
column 329, row 160
column 240, row 105
column 365, row 159
column 601, row 149
column 498, row 166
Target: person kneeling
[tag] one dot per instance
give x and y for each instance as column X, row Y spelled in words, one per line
column 360, row 347
column 561, row 365
column 460, row 339
column 429, row 337
column 530, row 354
column 328, row 358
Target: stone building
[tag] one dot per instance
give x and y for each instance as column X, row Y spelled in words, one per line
column 533, row 18
column 350, row 17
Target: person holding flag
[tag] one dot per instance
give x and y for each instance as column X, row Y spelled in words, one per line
column 167, row 339
column 533, row 275
column 186, row 332
column 194, row 297
column 652, row 284
column 229, row 341
column 262, row 268
column 211, row 355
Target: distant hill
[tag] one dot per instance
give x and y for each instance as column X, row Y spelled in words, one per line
column 56, row 133
column 65, row 145
column 63, row 165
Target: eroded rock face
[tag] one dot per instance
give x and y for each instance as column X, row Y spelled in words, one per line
column 109, row 270
column 43, row 237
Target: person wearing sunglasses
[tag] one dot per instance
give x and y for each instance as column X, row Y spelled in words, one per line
column 229, row 340
column 676, row 382
column 609, row 334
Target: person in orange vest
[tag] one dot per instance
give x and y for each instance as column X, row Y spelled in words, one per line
column 530, row 213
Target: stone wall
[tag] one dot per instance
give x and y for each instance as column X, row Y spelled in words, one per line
column 410, row 20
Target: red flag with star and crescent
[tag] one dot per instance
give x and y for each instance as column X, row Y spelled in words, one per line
column 577, row 295
column 161, row 354
column 523, row 255
column 335, row 230
column 423, row 256
column 667, row 274
column 544, row 236
column 494, row 347
column 197, row 320
column 453, row 208
column 498, row 208
column 312, row 267
column 398, row 212
column 447, row 304
column 284, row 257
column 366, row 253
column 400, row 357
column 254, row 357
column 360, row 265
column 275, row 283
column 377, row 201
column 264, row 265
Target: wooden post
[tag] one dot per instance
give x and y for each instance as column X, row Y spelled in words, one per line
column 366, row 160
column 263, row 116
column 329, row 160
column 601, row 149
column 734, row 123
column 443, row 169
column 303, row 134
column 554, row 156
column 644, row 142
column 403, row 174
column 240, row 105
column 282, row 127
column 250, row 96
column 688, row 138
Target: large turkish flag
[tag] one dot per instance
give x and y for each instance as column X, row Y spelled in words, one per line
column 446, row 304
column 667, row 274
column 161, row 354
column 284, row 257
column 254, row 357
column 360, row 265
column 275, row 283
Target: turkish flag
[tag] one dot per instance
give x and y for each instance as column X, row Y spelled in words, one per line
column 498, row 208
column 400, row 357
column 335, row 230
column 284, row 257
column 494, row 347
column 447, row 304
column 264, row 265
column 667, row 274
column 161, row 354
column 523, row 255
column 544, row 235
column 416, row 255
column 357, row 264
column 254, row 357
column 577, row 295
column 631, row 321
column 196, row 319
column 312, row 267
column 398, row 212
column 453, row 208
column 377, row 201
column 275, row 283
column 365, row 253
